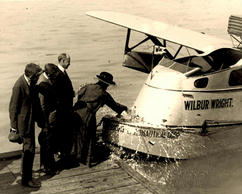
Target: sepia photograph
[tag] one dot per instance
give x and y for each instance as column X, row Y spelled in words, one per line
column 121, row 97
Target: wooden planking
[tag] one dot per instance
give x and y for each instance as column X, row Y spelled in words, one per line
column 6, row 178
column 6, row 175
column 81, row 184
column 16, row 188
column 10, row 155
column 131, row 189
column 82, row 177
column 147, row 184
column 105, row 178
column 15, row 167
column 90, row 185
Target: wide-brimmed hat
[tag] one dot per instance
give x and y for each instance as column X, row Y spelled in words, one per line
column 106, row 78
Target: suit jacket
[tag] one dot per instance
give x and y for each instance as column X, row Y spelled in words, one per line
column 64, row 91
column 24, row 110
column 47, row 95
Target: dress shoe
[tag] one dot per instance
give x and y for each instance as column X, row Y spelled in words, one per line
column 31, row 184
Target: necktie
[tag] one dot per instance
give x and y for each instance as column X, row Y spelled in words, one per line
column 65, row 73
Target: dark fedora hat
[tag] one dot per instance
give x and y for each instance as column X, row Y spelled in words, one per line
column 106, row 78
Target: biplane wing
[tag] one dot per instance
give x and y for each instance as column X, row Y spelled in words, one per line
column 185, row 37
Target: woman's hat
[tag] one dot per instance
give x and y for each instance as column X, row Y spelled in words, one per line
column 106, row 78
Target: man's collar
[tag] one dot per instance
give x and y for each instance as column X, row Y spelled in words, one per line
column 61, row 68
column 27, row 79
column 44, row 74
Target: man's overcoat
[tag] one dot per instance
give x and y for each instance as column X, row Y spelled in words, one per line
column 24, row 110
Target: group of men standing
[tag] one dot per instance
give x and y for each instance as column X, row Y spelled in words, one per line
column 46, row 97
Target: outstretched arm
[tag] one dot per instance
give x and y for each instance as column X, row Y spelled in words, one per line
column 118, row 108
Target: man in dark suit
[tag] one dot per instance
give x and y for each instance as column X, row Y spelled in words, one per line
column 24, row 110
column 65, row 95
column 47, row 95
column 64, row 86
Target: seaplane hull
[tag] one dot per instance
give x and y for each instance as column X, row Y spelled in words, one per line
column 178, row 143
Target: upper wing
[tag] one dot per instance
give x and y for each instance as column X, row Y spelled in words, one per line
column 172, row 33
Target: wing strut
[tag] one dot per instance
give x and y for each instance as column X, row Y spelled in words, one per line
column 127, row 49
column 149, row 37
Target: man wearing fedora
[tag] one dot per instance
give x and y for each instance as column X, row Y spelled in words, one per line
column 90, row 98
column 24, row 111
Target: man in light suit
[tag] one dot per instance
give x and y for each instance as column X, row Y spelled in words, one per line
column 24, row 110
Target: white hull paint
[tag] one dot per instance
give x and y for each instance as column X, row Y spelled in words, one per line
column 187, row 108
column 179, row 143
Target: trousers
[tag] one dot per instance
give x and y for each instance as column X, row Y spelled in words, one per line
column 27, row 166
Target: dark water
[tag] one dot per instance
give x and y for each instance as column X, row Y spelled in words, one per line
column 37, row 31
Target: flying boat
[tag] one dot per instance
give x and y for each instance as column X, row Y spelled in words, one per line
column 190, row 104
